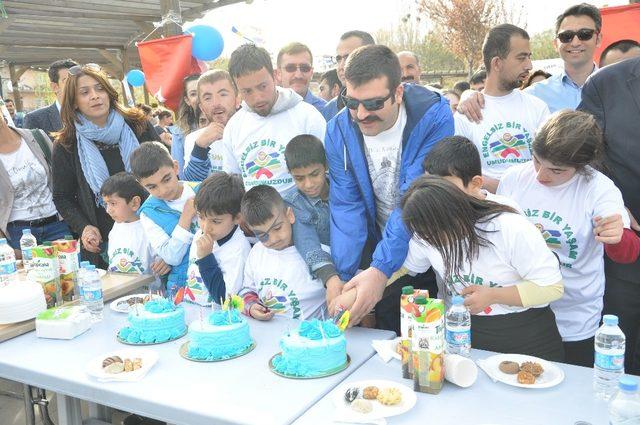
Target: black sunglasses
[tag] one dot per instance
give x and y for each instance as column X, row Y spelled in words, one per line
column 303, row 67
column 583, row 34
column 374, row 104
column 340, row 58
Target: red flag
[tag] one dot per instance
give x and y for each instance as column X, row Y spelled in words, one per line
column 165, row 63
column 619, row 23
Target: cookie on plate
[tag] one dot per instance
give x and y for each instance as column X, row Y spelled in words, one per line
column 526, row 378
column 509, row 367
column 533, row 368
column 362, row 406
column 389, row 396
column 370, row 393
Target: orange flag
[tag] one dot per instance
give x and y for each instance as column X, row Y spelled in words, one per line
column 619, row 23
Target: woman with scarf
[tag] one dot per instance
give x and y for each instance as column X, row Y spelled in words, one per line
column 96, row 140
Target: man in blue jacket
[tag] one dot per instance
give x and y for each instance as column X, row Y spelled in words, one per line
column 375, row 147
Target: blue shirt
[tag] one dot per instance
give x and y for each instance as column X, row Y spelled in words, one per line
column 315, row 101
column 331, row 109
column 558, row 91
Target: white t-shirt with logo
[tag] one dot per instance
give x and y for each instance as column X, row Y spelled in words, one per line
column 216, row 151
column 32, row 198
column 129, row 249
column 516, row 252
column 383, row 154
column 564, row 215
column 231, row 258
column 504, row 137
column 283, row 282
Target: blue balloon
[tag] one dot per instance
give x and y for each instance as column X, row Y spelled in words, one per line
column 135, row 77
column 207, row 42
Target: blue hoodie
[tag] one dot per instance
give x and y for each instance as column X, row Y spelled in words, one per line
column 351, row 197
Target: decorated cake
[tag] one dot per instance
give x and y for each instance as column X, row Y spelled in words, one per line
column 21, row 300
column 223, row 334
column 159, row 320
column 315, row 348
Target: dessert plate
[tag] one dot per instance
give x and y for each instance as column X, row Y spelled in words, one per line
column 550, row 377
column 121, row 306
column 322, row 375
column 345, row 413
column 149, row 358
column 184, row 350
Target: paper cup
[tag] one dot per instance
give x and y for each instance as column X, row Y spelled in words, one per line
column 460, row 370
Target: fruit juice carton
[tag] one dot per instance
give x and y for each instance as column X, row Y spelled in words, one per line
column 46, row 271
column 428, row 343
column 407, row 311
column 68, row 250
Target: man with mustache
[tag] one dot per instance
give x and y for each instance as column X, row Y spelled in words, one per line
column 295, row 70
column 511, row 116
column 410, row 67
column 375, row 147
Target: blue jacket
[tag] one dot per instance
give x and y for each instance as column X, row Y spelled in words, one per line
column 351, row 197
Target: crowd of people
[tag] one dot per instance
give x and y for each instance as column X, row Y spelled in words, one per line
column 516, row 189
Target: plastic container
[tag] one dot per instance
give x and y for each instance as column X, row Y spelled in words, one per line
column 27, row 243
column 406, row 319
column 458, row 328
column 624, row 407
column 8, row 269
column 92, row 292
column 609, row 357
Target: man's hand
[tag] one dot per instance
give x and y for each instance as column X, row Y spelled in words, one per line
column 609, row 230
column 370, row 285
column 160, row 268
column 260, row 312
column 204, row 246
column 477, row 298
column 91, row 239
column 166, row 138
column 210, row 134
column 334, row 288
column 471, row 107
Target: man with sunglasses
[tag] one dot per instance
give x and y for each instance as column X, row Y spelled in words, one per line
column 375, row 147
column 295, row 70
column 577, row 37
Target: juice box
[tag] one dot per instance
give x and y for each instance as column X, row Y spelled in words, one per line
column 427, row 344
column 68, row 250
column 46, row 271
column 407, row 312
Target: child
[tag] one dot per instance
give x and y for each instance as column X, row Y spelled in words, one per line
column 168, row 215
column 309, row 201
column 276, row 278
column 219, row 249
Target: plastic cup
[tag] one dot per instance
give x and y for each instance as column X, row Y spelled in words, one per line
column 460, row 370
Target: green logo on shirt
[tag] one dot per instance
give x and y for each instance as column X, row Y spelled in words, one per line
column 276, row 295
column 261, row 160
column 509, row 142
column 556, row 233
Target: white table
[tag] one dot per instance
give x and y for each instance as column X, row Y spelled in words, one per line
column 485, row 402
column 242, row 390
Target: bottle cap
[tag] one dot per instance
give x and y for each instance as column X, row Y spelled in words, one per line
column 457, row 300
column 90, row 267
column 628, row 383
column 26, row 231
column 3, row 241
column 420, row 299
column 407, row 290
column 610, row 319
column 84, row 264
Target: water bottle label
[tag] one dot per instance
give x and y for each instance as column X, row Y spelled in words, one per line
column 610, row 362
column 458, row 337
column 27, row 254
column 92, row 295
column 8, row 268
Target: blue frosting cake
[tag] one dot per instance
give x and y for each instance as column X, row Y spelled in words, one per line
column 313, row 349
column 158, row 321
column 222, row 335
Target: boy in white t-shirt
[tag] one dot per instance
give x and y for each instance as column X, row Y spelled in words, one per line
column 219, row 249
column 276, row 277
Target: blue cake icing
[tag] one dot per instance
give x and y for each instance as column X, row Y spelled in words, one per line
column 223, row 335
column 158, row 321
column 312, row 349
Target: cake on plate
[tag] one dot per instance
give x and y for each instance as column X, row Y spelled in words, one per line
column 315, row 348
column 222, row 335
column 159, row 320
column 21, row 300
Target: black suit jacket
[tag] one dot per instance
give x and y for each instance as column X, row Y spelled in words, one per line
column 612, row 95
column 47, row 119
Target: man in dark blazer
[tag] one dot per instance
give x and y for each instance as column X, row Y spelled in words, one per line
column 612, row 95
column 48, row 118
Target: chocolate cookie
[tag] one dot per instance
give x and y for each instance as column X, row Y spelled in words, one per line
column 509, row 367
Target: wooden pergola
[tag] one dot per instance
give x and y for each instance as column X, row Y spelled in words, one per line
column 38, row 32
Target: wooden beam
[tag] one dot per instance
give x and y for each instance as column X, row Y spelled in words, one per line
column 171, row 7
column 15, row 80
column 86, row 15
column 28, row 43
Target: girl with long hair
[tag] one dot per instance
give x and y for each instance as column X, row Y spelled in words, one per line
column 187, row 118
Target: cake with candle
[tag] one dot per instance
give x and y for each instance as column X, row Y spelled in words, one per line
column 220, row 335
column 159, row 320
column 315, row 348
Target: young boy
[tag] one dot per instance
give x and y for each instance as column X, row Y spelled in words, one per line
column 168, row 215
column 276, row 278
column 219, row 249
column 309, row 201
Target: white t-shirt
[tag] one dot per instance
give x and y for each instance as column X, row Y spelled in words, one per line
column 564, row 215
column 504, row 200
column 282, row 281
column 231, row 257
column 216, row 151
column 504, row 137
column 129, row 249
column 516, row 252
column 383, row 154
column 32, row 199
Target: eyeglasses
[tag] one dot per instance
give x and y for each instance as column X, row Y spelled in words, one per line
column 303, row 67
column 77, row 69
column 264, row 236
column 583, row 34
column 374, row 104
column 341, row 58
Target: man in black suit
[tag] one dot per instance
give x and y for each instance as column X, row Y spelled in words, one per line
column 612, row 95
column 48, row 118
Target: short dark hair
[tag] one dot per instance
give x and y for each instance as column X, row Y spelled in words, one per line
column 123, row 185
column 460, row 87
column 332, row 78
column 366, row 38
column 304, row 150
column 454, row 156
column 534, row 74
column 164, row 113
column 7, row 100
column 478, row 77
column 220, row 193
column 249, row 58
column 54, row 68
column 367, row 63
column 259, row 203
column 213, row 76
column 148, row 158
column 582, row 9
column 293, row 49
column 498, row 42
column 622, row 45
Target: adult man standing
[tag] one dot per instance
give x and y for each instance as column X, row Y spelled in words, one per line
column 48, row 118
column 295, row 70
column 17, row 117
column 349, row 41
column 612, row 95
column 511, row 117
column 375, row 148
column 619, row 51
column 270, row 116
column 330, row 86
column 410, row 67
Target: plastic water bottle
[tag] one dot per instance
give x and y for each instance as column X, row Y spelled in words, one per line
column 8, row 269
column 624, row 407
column 609, row 357
column 27, row 243
column 83, row 265
column 92, row 292
column 458, row 328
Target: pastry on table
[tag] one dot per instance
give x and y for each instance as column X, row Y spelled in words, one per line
column 389, row 396
column 370, row 393
column 532, row 367
column 526, row 378
column 509, row 367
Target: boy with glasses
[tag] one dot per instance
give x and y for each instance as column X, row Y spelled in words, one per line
column 295, row 70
